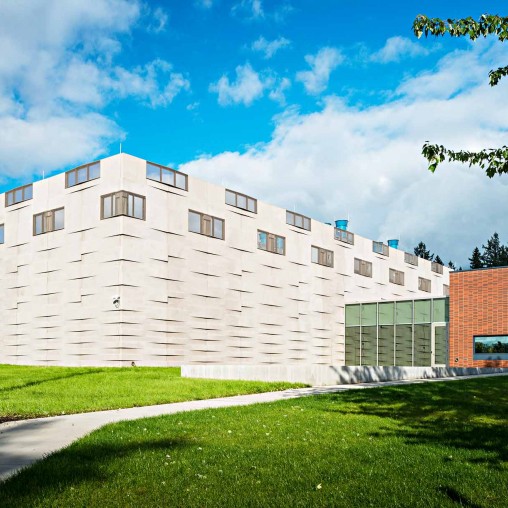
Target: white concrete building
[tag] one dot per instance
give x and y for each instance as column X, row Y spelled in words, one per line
column 104, row 265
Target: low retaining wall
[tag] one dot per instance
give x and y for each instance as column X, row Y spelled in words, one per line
column 323, row 375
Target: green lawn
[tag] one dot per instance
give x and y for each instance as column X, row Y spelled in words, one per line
column 27, row 392
column 424, row 445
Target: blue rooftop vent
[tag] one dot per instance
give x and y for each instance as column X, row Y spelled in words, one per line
column 394, row 244
column 341, row 224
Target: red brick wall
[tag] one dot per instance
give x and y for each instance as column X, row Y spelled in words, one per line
column 478, row 306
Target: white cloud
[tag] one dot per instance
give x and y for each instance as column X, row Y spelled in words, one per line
column 160, row 20
column 322, row 64
column 397, row 48
column 247, row 87
column 205, row 4
column 277, row 93
column 367, row 162
column 269, row 48
column 251, row 9
column 57, row 71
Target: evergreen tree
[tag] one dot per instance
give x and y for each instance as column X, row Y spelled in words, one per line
column 475, row 261
column 493, row 253
column 451, row 265
column 422, row 252
column 439, row 260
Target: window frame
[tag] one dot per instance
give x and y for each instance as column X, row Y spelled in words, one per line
column 273, row 238
column 172, row 171
column 203, row 219
column 490, row 356
column 382, row 249
column 2, row 234
column 422, row 281
column 247, row 199
column 344, row 236
column 410, row 259
column 436, row 267
column 296, row 216
column 76, row 170
column 48, row 216
column 360, row 264
column 322, row 256
column 396, row 277
column 446, row 290
column 12, row 192
column 125, row 208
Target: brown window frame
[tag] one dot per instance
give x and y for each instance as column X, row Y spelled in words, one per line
column 76, row 171
column 171, row 171
column 13, row 194
column 207, row 225
column 360, row 265
column 124, row 207
column 48, row 221
column 247, row 199
column 436, row 267
column 411, row 259
column 298, row 216
column 271, row 242
column 324, row 256
column 380, row 248
column 396, row 277
column 424, row 285
column 344, row 236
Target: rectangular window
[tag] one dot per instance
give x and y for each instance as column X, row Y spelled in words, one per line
column 271, row 243
column 123, row 203
column 446, row 290
column 363, row 267
column 344, row 236
column 322, row 256
column 494, row 347
column 424, row 284
column 436, row 267
column 2, row 233
column 19, row 195
column 396, row 277
column 45, row 222
column 83, row 174
column 206, row 225
column 297, row 220
column 167, row 176
column 380, row 248
column 411, row 259
column 241, row 201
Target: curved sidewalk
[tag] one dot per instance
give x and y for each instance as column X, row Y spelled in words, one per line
column 24, row 442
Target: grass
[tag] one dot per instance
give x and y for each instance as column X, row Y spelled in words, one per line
column 28, row 392
column 423, row 445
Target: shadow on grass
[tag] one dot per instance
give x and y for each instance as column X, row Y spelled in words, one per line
column 80, row 463
column 470, row 415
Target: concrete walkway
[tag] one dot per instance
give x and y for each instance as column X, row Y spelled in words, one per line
column 24, row 442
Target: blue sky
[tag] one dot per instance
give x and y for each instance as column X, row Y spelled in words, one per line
column 318, row 106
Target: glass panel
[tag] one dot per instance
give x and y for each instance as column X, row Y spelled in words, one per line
column 82, row 175
column 440, row 310
column 353, row 345
column 180, row 181
column 94, row 171
column 38, row 224
column 369, row 345
column 130, row 205
column 491, row 347
column 369, row 314
column 106, row 206
column 404, row 312
column 59, row 219
column 10, row 198
column 241, row 201
column 290, row 218
column 404, row 345
column 2, row 233
column 138, row 208
column 386, row 311
column 261, row 240
column 352, row 315
column 386, row 345
column 280, row 245
column 306, row 223
column 314, row 255
column 71, row 178
column 422, row 311
column 18, row 195
column 218, row 229
column 423, row 349
column 194, row 222
column 298, row 221
column 28, row 192
column 230, row 198
column 206, row 226
column 440, row 345
column 251, row 205
column 168, row 177
column 329, row 258
column 153, row 172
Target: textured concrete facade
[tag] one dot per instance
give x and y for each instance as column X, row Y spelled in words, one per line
column 183, row 297
column 478, row 307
